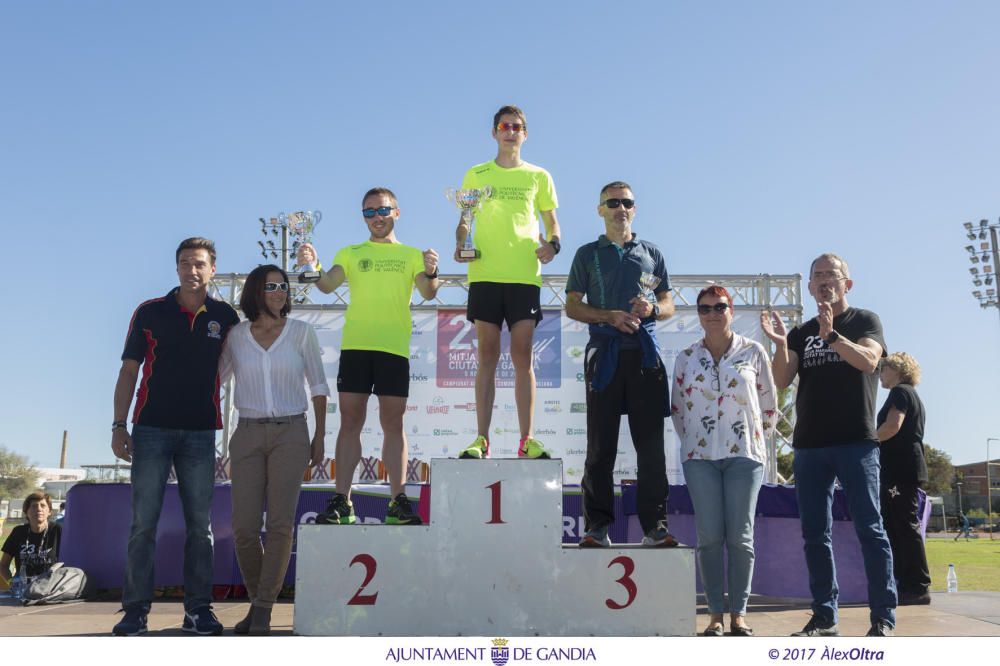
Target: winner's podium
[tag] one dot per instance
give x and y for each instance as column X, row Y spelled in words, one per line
column 490, row 563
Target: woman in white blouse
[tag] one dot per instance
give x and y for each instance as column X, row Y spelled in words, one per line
column 723, row 408
column 272, row 357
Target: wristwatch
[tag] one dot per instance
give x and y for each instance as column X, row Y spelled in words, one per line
column 656, row 310
column 118, row 425
column 554, row 242
column 830, row 339
column 432, row 277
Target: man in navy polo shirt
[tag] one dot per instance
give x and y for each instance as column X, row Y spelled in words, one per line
column 177, row 339
column 627, row 289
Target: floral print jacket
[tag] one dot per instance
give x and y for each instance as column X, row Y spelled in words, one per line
column 727, row 409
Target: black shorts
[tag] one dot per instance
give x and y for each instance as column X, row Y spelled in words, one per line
column 367, row 372
column 497, row 302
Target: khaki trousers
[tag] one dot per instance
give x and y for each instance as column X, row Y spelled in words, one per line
column 267, row 462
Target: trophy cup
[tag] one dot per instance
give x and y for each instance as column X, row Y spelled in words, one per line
column 468, row 201
column 301, row 225
column 647, row 286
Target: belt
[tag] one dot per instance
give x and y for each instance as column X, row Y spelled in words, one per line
column 272, row 420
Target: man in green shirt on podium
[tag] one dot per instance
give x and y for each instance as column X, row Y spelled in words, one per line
column 375, row 349
column 505, row 276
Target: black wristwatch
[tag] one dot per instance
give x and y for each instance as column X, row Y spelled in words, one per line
column 432, row 277
column 656, row 310
column 118, row 425
column 554, row 242
column 830, row 339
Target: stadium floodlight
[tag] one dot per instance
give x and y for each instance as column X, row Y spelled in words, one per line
column 988, row 280
column 968, row 226
column 977, row 282
column 977, row 294
column 974, row 259
column 974, row 270
column 970, row 249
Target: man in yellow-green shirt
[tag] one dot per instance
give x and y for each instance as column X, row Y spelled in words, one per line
column 375, row 348
column 505, row 279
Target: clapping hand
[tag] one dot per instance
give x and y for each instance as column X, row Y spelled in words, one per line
column 773, row 326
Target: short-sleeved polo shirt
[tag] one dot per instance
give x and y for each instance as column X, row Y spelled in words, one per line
column 611, row 276
column 179, row 352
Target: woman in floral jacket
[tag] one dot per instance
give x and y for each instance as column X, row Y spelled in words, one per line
column 723, row 407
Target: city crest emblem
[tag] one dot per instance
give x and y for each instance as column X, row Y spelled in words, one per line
column 500, row 652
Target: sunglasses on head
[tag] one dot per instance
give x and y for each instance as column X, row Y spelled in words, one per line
column 275, row 286
column 381, row 210
column 718, row 307
column 513, row 127
column 614, row 203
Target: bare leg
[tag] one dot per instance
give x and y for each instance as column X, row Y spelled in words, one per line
column 353, row 408
column 521, row 338
column 390, row 413
column 488, row 338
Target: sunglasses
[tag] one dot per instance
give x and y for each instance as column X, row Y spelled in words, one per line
column 513, row 127
column 614, row 203
column 275, row 286
column 381, row 210
column 718, row 307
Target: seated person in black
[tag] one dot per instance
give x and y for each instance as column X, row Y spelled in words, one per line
column 34, row 546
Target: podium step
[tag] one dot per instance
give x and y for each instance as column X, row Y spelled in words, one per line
column 490, row 562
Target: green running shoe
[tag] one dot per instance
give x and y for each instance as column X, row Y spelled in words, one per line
column 478, row 449
column 339, row 511
column 532, row 448
column 401, row 512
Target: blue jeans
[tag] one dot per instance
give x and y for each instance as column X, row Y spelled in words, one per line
column 192, row 454
column 857, row 467
column 724, row 494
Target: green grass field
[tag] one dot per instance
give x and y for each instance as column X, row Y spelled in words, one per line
column 977, row 563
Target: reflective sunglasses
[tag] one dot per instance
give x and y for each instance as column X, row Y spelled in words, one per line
column 718, row 307
column 381, row 210
column 513, row 127
column 275, row 286
column 614, row 203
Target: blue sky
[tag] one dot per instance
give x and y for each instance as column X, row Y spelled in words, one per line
column 755, row 135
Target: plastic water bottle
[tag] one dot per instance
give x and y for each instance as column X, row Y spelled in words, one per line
column 952, row 579
column 17, row 585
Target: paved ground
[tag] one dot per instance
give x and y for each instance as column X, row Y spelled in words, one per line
column 960, row 614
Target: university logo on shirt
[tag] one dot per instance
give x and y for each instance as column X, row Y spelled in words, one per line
column 364, row 265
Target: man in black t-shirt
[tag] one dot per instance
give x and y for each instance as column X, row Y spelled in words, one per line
column 177, row 340
column 836, row 355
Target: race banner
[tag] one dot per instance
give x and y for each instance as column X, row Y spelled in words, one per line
column 441, row 411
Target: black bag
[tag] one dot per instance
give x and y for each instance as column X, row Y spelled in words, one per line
column 58, row 585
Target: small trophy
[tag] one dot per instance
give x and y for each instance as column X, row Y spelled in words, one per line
column 647, row 286
column 301, row 225
column 468, row 201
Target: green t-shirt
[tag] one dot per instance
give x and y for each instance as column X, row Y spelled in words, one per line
column 506, row 227
column 380, row 279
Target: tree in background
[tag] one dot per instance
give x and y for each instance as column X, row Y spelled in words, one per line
column 784, row 428
column 17, row 476
column 940, row 471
